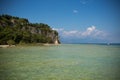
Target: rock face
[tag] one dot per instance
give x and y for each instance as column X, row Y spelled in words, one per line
column 21, row 30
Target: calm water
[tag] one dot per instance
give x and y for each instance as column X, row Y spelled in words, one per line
column 63, row 62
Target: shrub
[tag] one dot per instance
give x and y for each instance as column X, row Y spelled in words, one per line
column 10, row 42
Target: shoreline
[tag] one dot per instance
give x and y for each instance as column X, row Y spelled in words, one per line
column 7, row 46
column 48, row 44
column 38, row 44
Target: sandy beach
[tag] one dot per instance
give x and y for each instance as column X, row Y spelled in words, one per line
column 6, row 46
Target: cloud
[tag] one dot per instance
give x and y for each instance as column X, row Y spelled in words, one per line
column 91, row 32
column 75, row 11
column 70, row 33
column 58, row 29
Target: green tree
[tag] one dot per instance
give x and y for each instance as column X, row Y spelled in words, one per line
column 26, row 36
column 10, row 42
column 19, row 30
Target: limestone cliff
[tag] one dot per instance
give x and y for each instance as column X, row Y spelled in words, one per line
column 20, row 30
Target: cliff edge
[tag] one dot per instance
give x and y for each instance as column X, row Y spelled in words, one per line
column 15, row 30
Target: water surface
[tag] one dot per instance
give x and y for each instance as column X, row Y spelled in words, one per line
column 63, row 62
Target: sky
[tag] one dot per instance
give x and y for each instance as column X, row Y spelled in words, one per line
column 77, row 21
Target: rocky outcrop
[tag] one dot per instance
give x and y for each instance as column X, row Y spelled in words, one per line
column 21, row 30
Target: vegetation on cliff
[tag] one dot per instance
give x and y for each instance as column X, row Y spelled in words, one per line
column 15, row 30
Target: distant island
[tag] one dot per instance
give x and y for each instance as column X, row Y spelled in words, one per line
column 15, row 30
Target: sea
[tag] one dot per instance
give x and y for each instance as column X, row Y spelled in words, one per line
column 61, row 62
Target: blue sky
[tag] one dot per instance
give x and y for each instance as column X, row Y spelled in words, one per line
column 77, row 21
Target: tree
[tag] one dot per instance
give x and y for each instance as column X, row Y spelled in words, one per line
column 26, row 36
column 15, row 30
column 10, row 42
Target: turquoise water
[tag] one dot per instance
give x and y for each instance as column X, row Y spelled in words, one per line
column 63, row 62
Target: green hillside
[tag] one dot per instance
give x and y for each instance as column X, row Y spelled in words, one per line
column 15, row 30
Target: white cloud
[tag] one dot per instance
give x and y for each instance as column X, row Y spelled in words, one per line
column 75, row 11
column 58, row 29
column 70, row 33
column 90, row 32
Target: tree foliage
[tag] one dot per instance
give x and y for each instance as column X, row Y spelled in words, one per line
column 10, row 42
column 15, row 30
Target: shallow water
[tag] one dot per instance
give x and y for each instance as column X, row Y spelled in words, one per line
column 63, row 62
